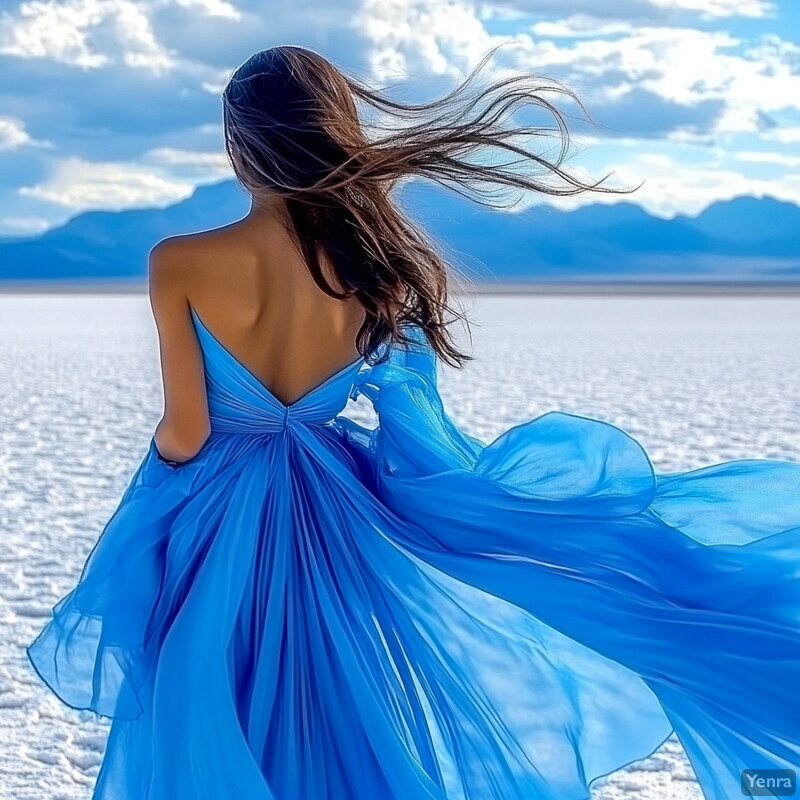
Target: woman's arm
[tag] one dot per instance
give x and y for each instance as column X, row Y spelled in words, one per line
column 184, row 425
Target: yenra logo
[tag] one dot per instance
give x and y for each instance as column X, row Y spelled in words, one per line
column 769, row 782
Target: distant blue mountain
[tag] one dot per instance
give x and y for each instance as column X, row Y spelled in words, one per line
column 744, row 239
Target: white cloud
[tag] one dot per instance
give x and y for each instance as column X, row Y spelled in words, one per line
column 784, row 135
column 415, row 38
column 23, row 226
column 594, row 21
column 712, row 9
column 675, row 186
column 214, row 8
column 579, row 25
column 132, row 28
column 80, row 184
column 208, row 128
column 766, row 157
column 88, row 34
column 207, row 161
column 217, row 82
column 639, row 10
column 13, row 135
column 689, row 66
column 53, row 30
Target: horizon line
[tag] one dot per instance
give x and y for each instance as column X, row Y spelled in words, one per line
column 610, row 287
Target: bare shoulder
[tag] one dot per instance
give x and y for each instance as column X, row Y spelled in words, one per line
column 174, row 259
column 171, row 263
column 170, row 255
column 195, row 248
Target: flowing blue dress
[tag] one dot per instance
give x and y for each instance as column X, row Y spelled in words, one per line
column 310, row 609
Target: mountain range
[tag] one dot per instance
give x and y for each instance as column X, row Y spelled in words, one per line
column 743, row 240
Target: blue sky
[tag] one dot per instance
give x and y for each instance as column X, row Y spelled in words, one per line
column 113, row 104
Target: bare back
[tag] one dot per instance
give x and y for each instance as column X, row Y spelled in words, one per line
column 249, row 284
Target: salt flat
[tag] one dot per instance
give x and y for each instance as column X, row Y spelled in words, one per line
column 696, row 380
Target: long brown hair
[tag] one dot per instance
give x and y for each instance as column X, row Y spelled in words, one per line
column 292, row 129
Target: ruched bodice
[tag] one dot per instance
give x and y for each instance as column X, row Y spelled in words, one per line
column 239, row 402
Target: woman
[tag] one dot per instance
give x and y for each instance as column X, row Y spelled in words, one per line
column 289, row 605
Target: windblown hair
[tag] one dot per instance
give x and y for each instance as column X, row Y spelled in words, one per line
column 292, row 129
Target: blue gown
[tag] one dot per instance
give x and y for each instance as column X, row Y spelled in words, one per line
column 309, row 609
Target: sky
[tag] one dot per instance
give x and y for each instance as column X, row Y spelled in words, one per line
column 115, row 104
